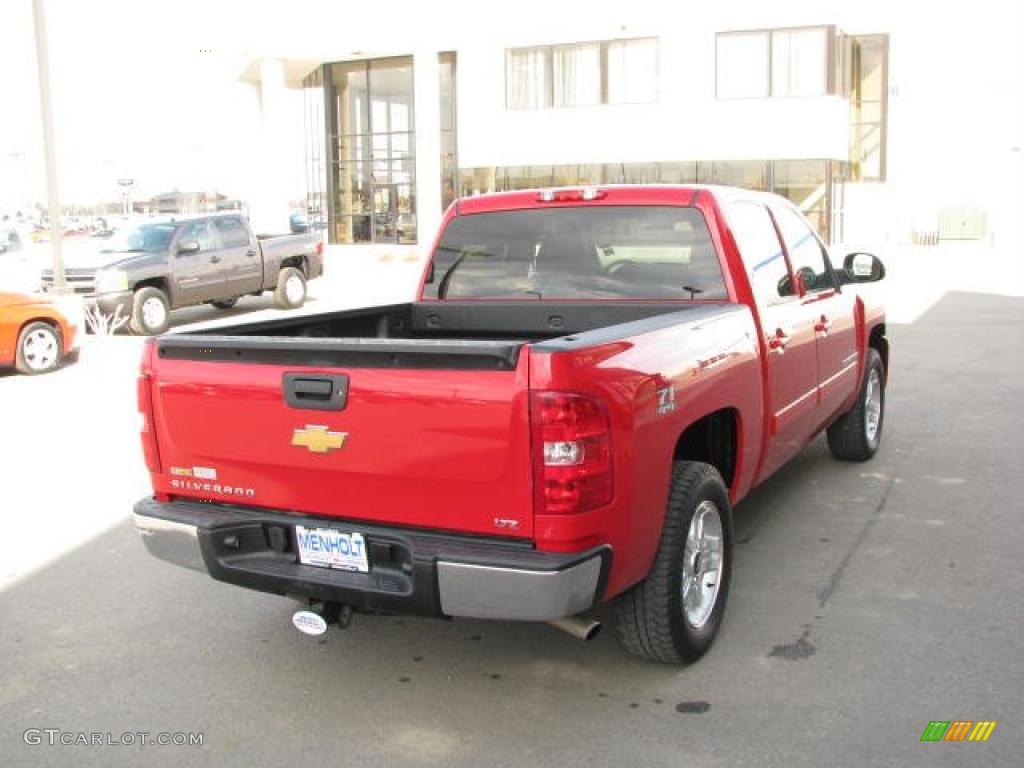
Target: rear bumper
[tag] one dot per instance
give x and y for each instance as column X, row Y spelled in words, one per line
column 412, row 572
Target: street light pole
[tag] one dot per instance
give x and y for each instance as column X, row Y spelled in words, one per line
column 46, row 109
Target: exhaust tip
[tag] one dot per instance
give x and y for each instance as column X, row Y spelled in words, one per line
column 580, row 627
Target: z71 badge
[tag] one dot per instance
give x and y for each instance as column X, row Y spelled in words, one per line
column 666, row 400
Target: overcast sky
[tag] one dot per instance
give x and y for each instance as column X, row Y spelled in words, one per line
column 140, row 90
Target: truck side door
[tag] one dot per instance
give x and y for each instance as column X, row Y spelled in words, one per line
column 831, row 310
column 240, row 257
column 198, row 275
column 787, row 332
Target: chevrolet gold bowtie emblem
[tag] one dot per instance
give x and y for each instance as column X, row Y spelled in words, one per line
column 317, row 439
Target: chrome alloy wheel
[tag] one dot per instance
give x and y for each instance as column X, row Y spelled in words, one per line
column 40, row 350
column 873, row 405
column 702, row 564
column 154, row 312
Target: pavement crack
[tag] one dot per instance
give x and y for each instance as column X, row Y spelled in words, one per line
column 833, row 582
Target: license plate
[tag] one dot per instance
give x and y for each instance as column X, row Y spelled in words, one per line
column 330, row 548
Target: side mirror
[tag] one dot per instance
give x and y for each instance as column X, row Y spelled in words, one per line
column 863, row 267
column 188, row 246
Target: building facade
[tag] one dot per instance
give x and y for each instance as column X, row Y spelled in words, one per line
column 797, row 102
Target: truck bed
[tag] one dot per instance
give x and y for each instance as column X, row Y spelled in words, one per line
column 430, row 401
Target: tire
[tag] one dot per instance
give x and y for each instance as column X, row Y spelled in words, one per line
column 147, row 318
column 858, row 432
column 225, row 303
column 651, row 619
column 40, row 349
column 291, row 288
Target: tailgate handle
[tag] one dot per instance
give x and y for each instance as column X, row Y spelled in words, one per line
column 318, row 392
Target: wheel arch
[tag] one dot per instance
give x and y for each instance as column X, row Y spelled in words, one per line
column 298, row 261
column 156, row 282
column 47, row 319
column 713, row 439
column 878, row 341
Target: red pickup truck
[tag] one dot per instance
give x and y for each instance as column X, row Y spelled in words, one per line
column 588, row 382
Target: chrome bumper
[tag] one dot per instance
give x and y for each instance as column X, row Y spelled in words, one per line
column 477, row 590
column 485, row 592
column 176, row 543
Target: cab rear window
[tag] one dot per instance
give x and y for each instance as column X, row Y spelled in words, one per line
column 599, row 252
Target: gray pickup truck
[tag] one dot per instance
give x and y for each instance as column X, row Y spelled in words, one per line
column 145, row 271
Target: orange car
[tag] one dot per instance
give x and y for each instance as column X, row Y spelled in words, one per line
column 37, row 332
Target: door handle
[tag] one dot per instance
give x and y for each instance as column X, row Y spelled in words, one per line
column 315, row 391
column 215, row 259
column 823, row 325
column 778, row 341
column 250, row 253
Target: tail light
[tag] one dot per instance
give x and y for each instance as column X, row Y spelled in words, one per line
column 573, row 453
column 320, row 248
column 144, row 391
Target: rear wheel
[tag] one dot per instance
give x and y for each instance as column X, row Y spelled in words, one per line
column 674, row 614
column 225, row 303
column 291, row 288
column 39, row 349
column 151, row 311
column 858, row 433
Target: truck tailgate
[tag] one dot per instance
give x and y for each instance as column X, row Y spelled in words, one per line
column 429, row 436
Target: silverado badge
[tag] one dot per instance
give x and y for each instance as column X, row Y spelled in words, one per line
column 317, row 439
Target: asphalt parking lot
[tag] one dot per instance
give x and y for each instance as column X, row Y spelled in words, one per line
column 867, row 600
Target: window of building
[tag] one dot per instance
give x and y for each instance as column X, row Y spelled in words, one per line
column 774, row 63
column 749, row 174
column 799, row 62
column 527, row 85
column 582, row 74
column 742, row 65
column 813, row 186
column 631, row 173
column 449, row 151
column 371, row 130
column 576, row 75
column 868, row 57
column 760, row 250
column 805, row 183
column 315, row 162
column 632, row 71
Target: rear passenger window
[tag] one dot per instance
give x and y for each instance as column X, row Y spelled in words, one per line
column 232, row 231
column 760, row 250
column 806, row 253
